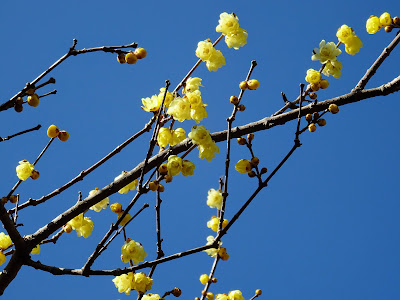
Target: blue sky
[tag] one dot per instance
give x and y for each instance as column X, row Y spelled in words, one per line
column 327, row 226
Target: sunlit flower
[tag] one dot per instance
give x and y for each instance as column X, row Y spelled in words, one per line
column 236, row 39
column 151, row 104
column 326, row 52
column 24, row 169
column 187, row 168
column 228, row 23
column 141, row 282
column 313, row 76
column 216, row 61
column 192, row 84
column 36, row 250
column 178, row 135
column 129, row 187
column 124, row 283
column 174, row 165
column 100, row 205
column 373, row 24
column 5, row 241
column 214, row 199
column 243, row 166
column 164, row 137
column 235, row 295
column 207, row 151
column 212, row 251
column 132, row 250
column 179, row 109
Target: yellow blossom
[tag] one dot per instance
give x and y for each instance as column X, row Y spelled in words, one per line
column 86, row 229
column 313, row 76
column 204, row 279
column 212, row 251
column 198, row 113
column 373, row 24
column 151, row 104
column 228, row 23
column 385, row 19
column 208, row 151
column 2, row 258
column 36, row 250
column 129, row 187
column 164, row 137
column 76, row 222
column 180, row 109
column 168, row 98
column 124, row 283
column 100, row 205
column 200, row 135
column 151, row 297
column 344, row 33
column 194, row 98
column 221, row 297
column 214, row 223
column 174, row 165
column 192, row 84
column 243, row 166
column 204, row 50
column 235, row 295
column 332, row 68
column 214, row 199
column 24, row 169
column 5, row 241
column 216, row 61
column 353, row 45
column 178, row 135
column 187, row 168
column 141, row 282
column 132, row 250
column 236, row 39
column 326, row 52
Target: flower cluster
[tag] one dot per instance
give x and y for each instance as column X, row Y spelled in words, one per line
column 53, row 132
column 212, row 251
column 206, row 52
column 207, row 147
column 374, row 23
column 82, row 225
column 346, row 35
column 327, row 54
column 99, row 205
column 229, row 26
column 129, row 187
column 133, row 281
column 132, row 250
column 170, row 136
column 132, row 56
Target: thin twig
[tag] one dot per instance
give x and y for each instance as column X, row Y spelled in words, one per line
column 19, row 133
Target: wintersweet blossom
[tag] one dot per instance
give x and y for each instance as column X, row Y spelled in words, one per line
column 151, row 297
column 332, row 68
column 192, row 84
column 214, row 223
column 221, row 297
column 313, row 76
column 385, row 19
column 164, row 137
column 174, row 165
column 178, row 135
column 168, row 98
column 179, row 109
column 216, row 61
column 82, row 225
column 207, row 151
column 187, row 168
column 347, row 36
column 5, row 241
column 373, row 25
column 204, row 50
column 141, row 282
column 243, row 166
column 214, row 199
column 129, row 187
column 151, row 104
column 212, row 251
column 198, row 113
column 24, row 169
column 235, row 295
column 237, row 39
column 344, row 33
column 326, row 52
column 132, row 250
column 353, row 46
column 124, row 283
column 100, row 205
column 194, row 98
column 200, row 135
column 228, row 23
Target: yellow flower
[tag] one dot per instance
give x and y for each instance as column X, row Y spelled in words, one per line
column 141, row 282
column 326, row 52
column 204, row 50
column 180, row 109
column 76, row 222
column 36, row 250
column 151, row 297
column 192, row 84
column 187, row 168
column 332, row 68
column 216, row 61
column 164, row 137
column 214, row 223
column 168, row 98
column 373, row 24
column 344, row 33
column 194, row 98
column 200, row 135
column 178, row 135
column 385, row 19
column 214, row 199
column 221, row 297
column 100, row 205
column 204, row 279
column 313, row 76
column 2, row 258
column 124, row 283
column 174, row 165
column 353, row 45
column 198, row 113
column 212, row 251
column 228, row 23
column 151, row 104
column 86, row 229
column 236, row 39
column 132, row 250
column 208, row 151
column 243, row 166
column 129, row 187
column 5, row 241
column 235, row 295
column 24, row 169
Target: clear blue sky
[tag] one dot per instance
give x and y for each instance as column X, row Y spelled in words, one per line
column 327, row 227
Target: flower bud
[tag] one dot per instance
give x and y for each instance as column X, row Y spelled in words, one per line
column 309, row 117
column 333, row 108
column 234, row 100
column 35, row 175
column 161, row 188
column 241, row 107
column 315, row 86
column 131, row 58
column 63, row 136
column 168, row 178
column 153, row 185
column 253, row 84
column 163, row 169
column 264, row 170
column 140, row 53
column 396, row 20
column 388, row 28
column 214, row 280
column 67, row 228
column 313, row 95
column 254, row 161
column 258, row 292
column 315, row 115
column 13, row 198
column 176, row 292
column 251, row 174
column 241, row 141
column 116, row 207
column 243, row 85
column 250, row 137
column 312, row 127
column 321, row 122
column 121, row 58
column 323, row 84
